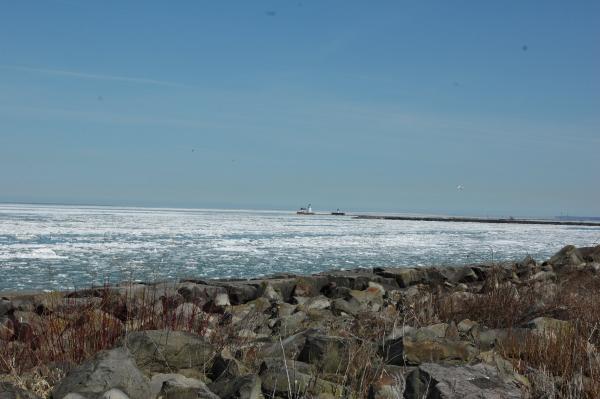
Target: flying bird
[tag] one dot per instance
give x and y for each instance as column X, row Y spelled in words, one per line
column 271, row 13
column 524, row 48
column 460, row 187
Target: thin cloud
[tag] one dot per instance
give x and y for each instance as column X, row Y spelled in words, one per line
column 84, row 75
column 48, row 113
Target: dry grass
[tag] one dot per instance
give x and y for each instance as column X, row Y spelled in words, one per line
column 565, row 357
column 561, row 364
column 72, row 330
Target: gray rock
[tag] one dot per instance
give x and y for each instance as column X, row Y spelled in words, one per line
column 283, row 286
column 405, row 277
column 543, row 276
column 438, row 381
column 463, row 274
column 466, row 325
column 114, row 394
column 526, row 267
column 310, row 286
column 226, row 366
column 351, row 306
column 590, row 254
column 285, row 309
column 271, row 294
column 338, row 292
column 240, row 292
column 406, row 351
column 316, row 302
column 371, row 298
column 291, row 345
column 168, row 351
column 280, row 363
column 243, row 387
column 9, row 391
column 222, row 300
column 567, row 256
column 328, row 353
column 430, row 332
column 108, row 369
column 199, row 293
column 6, row 306
column 287, row 325
column 488, row 339
column 285, row 382
column 401, row 331
column 177, row 386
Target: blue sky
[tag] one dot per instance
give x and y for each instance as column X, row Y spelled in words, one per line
column 274, row 104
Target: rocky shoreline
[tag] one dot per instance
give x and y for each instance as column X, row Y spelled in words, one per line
column 509, row 330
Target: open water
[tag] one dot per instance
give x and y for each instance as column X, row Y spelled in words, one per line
column 66, row 247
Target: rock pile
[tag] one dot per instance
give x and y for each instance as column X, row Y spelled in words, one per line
column 436, row 332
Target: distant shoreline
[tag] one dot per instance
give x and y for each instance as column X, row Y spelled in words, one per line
column 479, row 220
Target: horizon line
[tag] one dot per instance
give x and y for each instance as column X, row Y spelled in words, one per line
column 274, row 209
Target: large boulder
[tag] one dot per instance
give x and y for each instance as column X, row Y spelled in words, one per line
column 330, row 354
column 291, row 324
column 268, row 292
column 309, row 286
column 243, row 387
column 488, row 339
column 526, row 267
column 316, row 302
column 284, row 287
column 168, row 351
column 286, row 381
column 226, row 365
column 291, row 346
column 438, row 381
column 590, row 254
column 114, row 393
column 351, row 306
column 176, row 386
column 462, row 274
column 371, row 298
column 199, row 293
column 433, row 331
column 405, row 277
column 240, row 292
column 109, row 369
column 567, row 256
column 404, row 350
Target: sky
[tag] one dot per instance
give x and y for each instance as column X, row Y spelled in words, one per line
column 380, row 106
